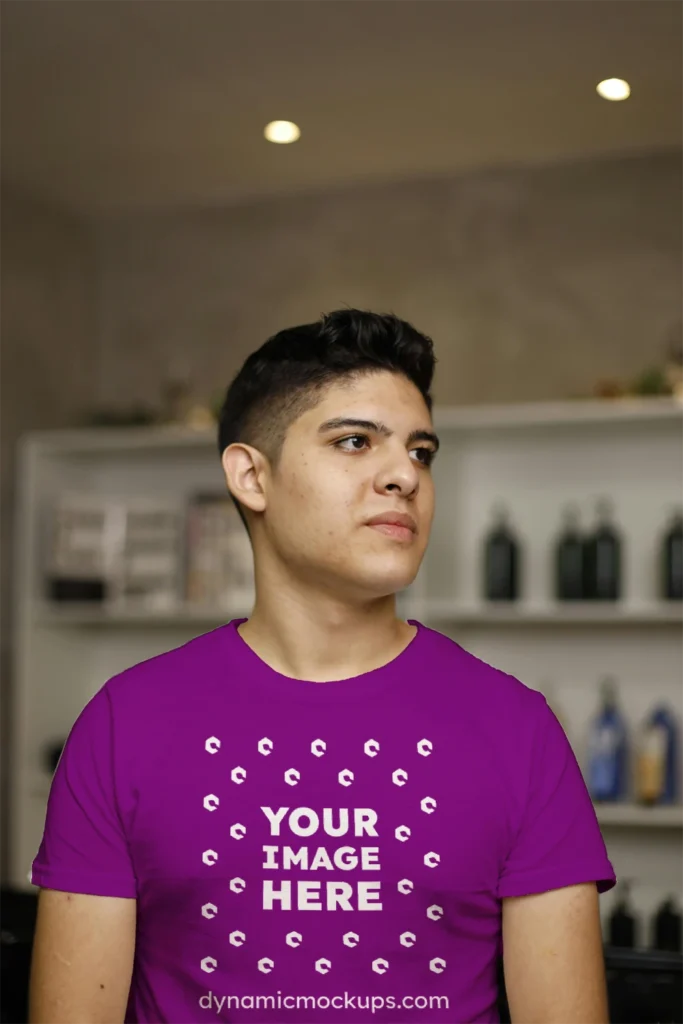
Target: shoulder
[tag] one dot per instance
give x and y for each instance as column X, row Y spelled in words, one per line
column 172, row 676
column 472, row 680
column 457, row 667
column 491, row 722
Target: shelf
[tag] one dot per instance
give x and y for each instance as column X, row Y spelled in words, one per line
column 552, row 615
column 535, row 456
column 183, row 616
column 432, row 612
column 557, row 414
column 633, row 816
column 609, row 815
column 466, row 417
column 98, row 440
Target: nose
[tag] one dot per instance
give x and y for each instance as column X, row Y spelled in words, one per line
column 399, row 474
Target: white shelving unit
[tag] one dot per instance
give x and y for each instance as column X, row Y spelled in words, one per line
column 535, row 458
column 629, row 816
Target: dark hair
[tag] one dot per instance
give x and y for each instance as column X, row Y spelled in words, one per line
column 286, row 375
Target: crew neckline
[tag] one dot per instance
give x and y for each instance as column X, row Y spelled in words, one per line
column 259, row 674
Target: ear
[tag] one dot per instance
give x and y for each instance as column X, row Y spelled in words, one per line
column 246, row 471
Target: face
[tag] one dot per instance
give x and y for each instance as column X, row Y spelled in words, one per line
column 334, row 476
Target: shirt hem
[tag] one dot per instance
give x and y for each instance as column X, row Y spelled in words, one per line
column 87, row 885
column 534, row 882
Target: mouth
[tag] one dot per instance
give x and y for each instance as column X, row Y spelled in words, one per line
column 396, row 524
column 394, row 530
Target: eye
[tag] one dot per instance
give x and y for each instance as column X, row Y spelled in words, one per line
column 352, row 437
column 426, row 455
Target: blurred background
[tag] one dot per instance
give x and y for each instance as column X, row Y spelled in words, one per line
column 180, row 181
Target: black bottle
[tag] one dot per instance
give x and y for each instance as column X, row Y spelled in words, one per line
column 569, row 559
column 622, row 923
column 666, row 927
column 501, row 559
column 672, row 560
column 602, row 557
column 52, row 753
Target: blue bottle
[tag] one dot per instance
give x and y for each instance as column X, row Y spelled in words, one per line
column 607, row 768
column 657, row 758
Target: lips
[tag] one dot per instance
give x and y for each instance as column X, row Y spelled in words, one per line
column 395, row 519
column 400, row 533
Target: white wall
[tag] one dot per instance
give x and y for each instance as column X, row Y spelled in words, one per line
column 533, row 282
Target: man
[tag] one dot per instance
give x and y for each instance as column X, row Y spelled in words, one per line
column 321, row 812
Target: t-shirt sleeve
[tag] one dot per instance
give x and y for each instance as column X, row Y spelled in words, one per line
column 559, row 842
column 84, row 847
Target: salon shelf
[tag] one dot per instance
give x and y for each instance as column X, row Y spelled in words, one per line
column 536, row 457
column 113, row 617
column 612, row 815
column 634, row 816
column 431, row 612
column 579, row 614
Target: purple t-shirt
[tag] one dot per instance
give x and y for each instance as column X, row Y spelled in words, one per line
column 317, row 852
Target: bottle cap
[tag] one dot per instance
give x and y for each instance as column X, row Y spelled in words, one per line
column 500, row 511
column 666, row 906
column 570, row 514
column 604, row 507
column 624, row 887
column 608, row 690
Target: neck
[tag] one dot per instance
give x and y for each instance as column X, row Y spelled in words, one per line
column 311, row 634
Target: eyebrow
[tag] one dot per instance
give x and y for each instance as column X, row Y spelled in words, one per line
column 377, row 428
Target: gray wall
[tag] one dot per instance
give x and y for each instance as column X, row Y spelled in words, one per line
column 48, row 369
column 533, row 282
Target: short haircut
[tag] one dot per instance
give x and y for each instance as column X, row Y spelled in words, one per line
column 289, row 373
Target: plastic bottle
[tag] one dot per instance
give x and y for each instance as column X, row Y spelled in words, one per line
column 52, row 753
column 657, row 758
column 602, row 557
column 672, row 560
column 621, row 927
column 501, row 559
column 666, row 927
column 569, row 558
column 607, row 754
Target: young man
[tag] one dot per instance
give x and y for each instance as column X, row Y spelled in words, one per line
column 322, row 812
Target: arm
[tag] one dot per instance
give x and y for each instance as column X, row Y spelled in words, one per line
column 82, row 959
column 553, row 957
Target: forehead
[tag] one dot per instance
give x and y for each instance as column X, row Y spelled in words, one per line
column 383, row 395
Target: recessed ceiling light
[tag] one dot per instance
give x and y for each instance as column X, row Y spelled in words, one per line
column 614, row 89
column 282, row 131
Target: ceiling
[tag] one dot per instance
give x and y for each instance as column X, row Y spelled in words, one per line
column 120, row 105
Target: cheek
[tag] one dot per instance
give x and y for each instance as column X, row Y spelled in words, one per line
column 318, row 501
column 307, row 491
column 428, row 495
column 318, row 483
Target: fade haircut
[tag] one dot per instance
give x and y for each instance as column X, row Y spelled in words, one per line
column 288, row 374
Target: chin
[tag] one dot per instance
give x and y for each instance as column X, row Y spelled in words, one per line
column 383, row 580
